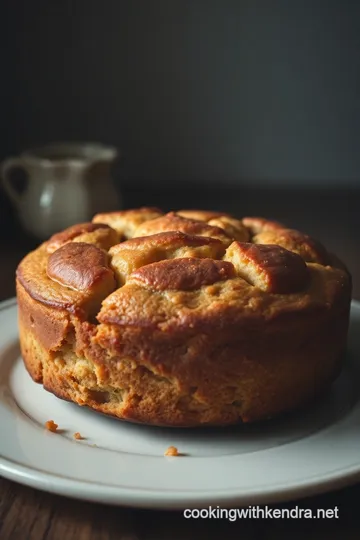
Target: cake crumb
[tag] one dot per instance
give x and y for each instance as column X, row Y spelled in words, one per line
column 172, row 451
column 78, row 436
column 51, row 426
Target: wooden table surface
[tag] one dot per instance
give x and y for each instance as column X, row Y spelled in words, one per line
column 28, row 514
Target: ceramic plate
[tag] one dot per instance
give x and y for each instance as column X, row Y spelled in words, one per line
column 313, row 451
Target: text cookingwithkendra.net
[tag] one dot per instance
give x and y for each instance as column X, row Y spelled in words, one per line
column 261, row 512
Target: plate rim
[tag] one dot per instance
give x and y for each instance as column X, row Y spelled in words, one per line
column 162, row 499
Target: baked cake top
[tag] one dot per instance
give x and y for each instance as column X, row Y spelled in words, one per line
column 147, row 268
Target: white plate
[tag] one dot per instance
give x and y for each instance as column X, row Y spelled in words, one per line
column 310, row 452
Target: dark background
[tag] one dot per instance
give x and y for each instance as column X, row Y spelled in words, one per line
column 203, row 89
column 251, row 107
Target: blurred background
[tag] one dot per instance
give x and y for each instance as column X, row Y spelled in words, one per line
column 250, row 107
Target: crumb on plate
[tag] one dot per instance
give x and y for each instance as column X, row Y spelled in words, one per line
column 51, row 426
column 78, row 436
column 172, row 451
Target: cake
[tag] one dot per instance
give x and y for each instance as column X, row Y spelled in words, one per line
column 183, row 319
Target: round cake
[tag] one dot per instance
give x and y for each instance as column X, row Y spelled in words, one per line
column 186, row 318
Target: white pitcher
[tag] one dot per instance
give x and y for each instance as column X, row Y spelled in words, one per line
column 67, row 183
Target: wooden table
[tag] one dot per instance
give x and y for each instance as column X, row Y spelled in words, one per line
column 27, row 514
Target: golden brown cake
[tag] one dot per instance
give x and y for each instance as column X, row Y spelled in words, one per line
column 183, row 319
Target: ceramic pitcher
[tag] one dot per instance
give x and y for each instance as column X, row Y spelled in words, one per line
column 66, row 183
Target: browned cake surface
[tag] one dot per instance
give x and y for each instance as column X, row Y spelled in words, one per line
column 183, row 319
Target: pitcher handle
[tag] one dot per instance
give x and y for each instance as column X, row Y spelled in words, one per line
column 6, row 168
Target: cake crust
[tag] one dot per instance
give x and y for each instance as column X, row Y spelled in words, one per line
column 181, row 323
